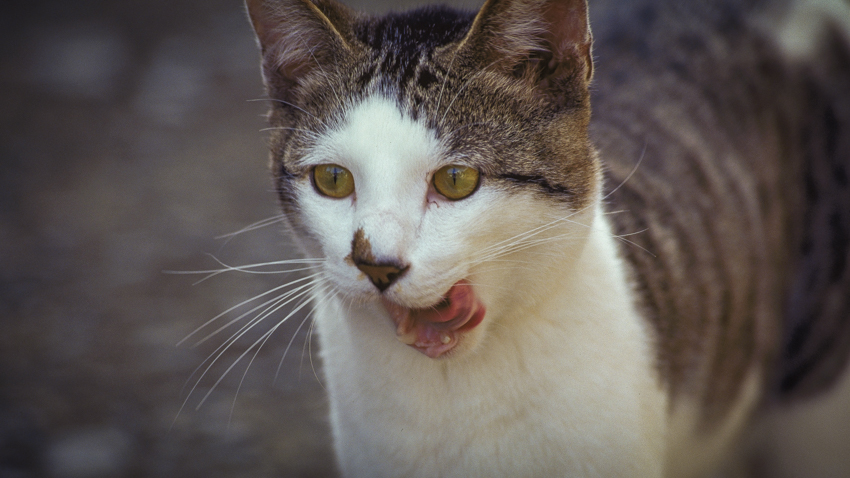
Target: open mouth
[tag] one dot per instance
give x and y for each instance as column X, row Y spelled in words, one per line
column 436, row 330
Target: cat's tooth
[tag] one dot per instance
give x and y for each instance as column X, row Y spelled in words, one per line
column 444, row 338
column 408, row 338
column 405, row 325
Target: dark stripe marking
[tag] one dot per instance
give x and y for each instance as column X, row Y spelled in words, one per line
column 539, row 181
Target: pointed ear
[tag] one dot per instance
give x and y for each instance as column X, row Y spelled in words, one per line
column 545, row 41
column 297, row 37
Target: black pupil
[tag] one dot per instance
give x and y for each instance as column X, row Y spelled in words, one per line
column 454, row 173
column 335, row 172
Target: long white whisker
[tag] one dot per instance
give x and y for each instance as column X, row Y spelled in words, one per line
column 257, row 225
column 633, row 233
column 292, row 105
column 525, row 244
column 275, row 304
column 501, row 245
column 243, row 303
column 534, row 231
column 632, row 243
column 310, row 354
column 637, row 165
column 289, row 345
column 278, row 303
column 264, row 338
column 311, row 134
column 239, row 335
column 268, row 304
column 292, row 339
column 245, row 268
column 309, row 341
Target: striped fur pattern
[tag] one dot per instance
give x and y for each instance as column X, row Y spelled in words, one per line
column 720, row 157
column 742, row 193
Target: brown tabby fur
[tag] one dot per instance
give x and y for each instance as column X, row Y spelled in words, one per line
column 726, row 163
column 741, row 197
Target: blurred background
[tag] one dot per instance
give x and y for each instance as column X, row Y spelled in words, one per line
column 130, row 141
column 131, row 145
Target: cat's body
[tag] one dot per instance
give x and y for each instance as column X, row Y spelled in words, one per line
column 504, row 329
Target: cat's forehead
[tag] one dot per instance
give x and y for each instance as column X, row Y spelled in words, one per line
column 408, row 54
column 377, row 139
column 415, row 30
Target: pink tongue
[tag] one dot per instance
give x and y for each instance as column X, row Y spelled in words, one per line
column 434, row 330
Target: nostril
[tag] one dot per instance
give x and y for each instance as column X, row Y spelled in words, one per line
column 382, row 275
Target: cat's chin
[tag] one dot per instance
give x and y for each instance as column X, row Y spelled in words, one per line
column 437, row 330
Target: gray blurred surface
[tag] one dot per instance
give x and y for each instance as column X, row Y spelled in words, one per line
column 129, row 142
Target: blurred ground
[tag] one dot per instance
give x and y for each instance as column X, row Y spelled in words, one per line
column 128, row 143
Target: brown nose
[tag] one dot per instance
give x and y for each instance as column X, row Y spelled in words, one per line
column 382, row 274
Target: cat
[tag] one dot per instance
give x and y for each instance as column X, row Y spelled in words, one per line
column 528, row 265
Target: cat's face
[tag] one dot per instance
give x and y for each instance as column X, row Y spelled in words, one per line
column 425, row 178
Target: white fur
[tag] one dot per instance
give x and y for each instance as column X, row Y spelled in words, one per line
column 558, row 380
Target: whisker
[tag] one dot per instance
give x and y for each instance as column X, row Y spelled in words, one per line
column 632, row 243
column 310, row 354
column 219, row 351
column 325, row 74
column 633, row 233
column 264, row 339
column 446, row 79
column 311, row 134
column 257, row 225
column 611, row 213
column 523, row 245
column 245, row 268
column 243, row 303
column 292, row 339
column 325, row 296
column 637, row 165
column 243, row 354
column 292, row 105
column 268, row 304
column 531, row 232
column 498, row 249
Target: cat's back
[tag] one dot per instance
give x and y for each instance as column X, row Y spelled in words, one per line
column 728, row 153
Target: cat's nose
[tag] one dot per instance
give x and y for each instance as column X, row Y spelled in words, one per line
column 383, row 274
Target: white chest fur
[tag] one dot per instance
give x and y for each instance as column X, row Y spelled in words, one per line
column 565, row 388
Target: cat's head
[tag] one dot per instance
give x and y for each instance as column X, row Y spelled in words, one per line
column 437, row 161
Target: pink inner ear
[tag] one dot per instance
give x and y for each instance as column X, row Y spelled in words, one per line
column 569, row 33
column 569, row 28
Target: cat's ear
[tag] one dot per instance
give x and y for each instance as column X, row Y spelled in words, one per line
column 545, row 41
column 298, row 37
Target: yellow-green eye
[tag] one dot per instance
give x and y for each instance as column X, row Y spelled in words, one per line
column 333, row 180
column 455, row 182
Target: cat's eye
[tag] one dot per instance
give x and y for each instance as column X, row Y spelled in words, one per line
column 456, row 182
column 333, row 180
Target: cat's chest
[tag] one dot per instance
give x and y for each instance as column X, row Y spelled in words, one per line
column 528, row 391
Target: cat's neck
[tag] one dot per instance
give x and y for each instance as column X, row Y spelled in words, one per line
column 378, row 385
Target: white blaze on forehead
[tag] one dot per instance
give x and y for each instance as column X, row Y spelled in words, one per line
column 378, row 141
column 391, row 157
